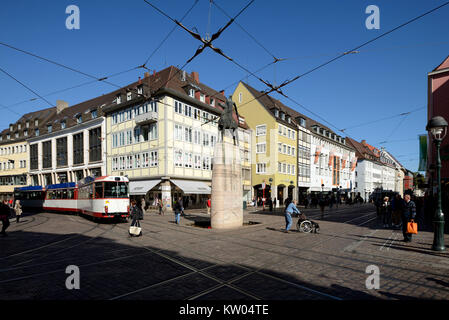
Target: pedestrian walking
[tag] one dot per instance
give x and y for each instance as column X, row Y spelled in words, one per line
column 18, row 210
column 160, row 206
column 178, row 209
column 143, row 204
column 274, row 203
column 136, row 216
column 291, row 208
column 322, row 204
column 385, row 212
column 408, row 214
column 208, row 205
column 270, row 204
column 5, row 212
column 397, row 207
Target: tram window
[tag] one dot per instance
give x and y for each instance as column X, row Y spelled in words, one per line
column 99, row 190
column 115, row 190
column 64, row 194
column 91, row 191
column 70, row 194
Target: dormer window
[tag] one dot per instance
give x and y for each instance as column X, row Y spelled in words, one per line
column 19, row 126
column 192, row 93
column 79, row 119
column 63, row 124
column 11, row 128
column 212, row 102
column 140, row 90
column 8, row 136
column 25, row 133
column 27, row 124
column 289, row 120
column 49, row 128
column 94, row 114
column 128, row 96
column 17, row 135
column 202, row 97
column 276, row 113
column 118, row 99
column 302, row 122
column 282, row 115
column 36, row 123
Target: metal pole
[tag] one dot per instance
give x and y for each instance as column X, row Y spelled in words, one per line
column 438, row 235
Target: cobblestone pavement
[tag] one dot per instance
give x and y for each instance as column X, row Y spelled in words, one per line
column 257, row 261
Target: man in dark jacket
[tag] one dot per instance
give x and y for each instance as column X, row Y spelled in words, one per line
column 178, row 209
column 408, row 214
column 5, row 212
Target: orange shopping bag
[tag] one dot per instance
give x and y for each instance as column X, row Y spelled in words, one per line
column 412, row 227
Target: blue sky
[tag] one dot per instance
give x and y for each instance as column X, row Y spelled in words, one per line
column 385, row 78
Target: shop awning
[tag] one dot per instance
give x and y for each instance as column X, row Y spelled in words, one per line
column 192, row 187
column 142, row 187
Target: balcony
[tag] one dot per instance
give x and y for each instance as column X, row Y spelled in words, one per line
column 146, row 118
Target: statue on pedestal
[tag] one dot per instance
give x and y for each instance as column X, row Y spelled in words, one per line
column 227, row 120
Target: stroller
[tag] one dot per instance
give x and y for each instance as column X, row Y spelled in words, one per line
column 305, row 225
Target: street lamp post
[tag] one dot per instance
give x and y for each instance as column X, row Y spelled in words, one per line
column 437, row 127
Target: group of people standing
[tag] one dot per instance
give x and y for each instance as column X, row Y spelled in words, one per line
column 397, row 213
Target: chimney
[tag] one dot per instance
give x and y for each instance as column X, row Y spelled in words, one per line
column 154, row 72
column 146, row 74
column 364, row 142
column 61, row 105
column 195, row 76
column 222, row 92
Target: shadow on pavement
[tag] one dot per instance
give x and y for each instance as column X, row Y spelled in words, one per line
column 33, row 267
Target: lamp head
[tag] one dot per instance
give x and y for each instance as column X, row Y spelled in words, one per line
column 437, row 127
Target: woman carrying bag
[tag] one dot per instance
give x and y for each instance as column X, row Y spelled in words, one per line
column 136, row 215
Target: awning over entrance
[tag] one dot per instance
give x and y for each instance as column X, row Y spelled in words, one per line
column 192, row 187
column 142, row 187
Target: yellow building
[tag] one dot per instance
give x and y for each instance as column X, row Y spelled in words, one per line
column 14, row 151
column 274, row 143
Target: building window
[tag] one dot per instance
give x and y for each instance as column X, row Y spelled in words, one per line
column 49, row 128
column 95, row 144
column 46, row 154
column 78, row 152
column 36, row 132
column 128, row 96
column 261, row 130
column 261, row 168
column 61, row 152
column 119, row 99
column 261, row 148
column 93, row 114
column 206, row 163
column 240, row 97
column 197, row 161
column 63, row 123
column 192, row 93
column 178, row 158
column 79, row 119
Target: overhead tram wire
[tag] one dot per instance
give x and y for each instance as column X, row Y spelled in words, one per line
column 382, row 119
column 72, row 87
column 28, row 88
column 206, row 43
column 244, row 30
column 169, row 34
column 347, row 52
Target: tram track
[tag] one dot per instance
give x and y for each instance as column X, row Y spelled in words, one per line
column 119, row 228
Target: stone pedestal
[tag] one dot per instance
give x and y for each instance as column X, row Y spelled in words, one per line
column 227, row 194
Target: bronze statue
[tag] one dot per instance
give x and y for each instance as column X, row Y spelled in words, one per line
column 227, row 121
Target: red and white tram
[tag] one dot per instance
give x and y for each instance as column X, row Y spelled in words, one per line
column 102, row 197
